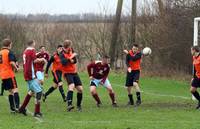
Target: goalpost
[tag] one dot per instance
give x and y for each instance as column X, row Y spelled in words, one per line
column 196, row 33
column 196, row 36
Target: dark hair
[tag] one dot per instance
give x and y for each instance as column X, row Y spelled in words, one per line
column 29, row 43
column 6, row 42
column 135, row 45
column 196, row 48
column 42, row 46
column 59, row 46
column 67, row 43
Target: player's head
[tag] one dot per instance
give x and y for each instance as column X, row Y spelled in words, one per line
column 42, row 48
column 7, row 43
column 59, row 48
column 105, row 59
column 31, row 43
column 67, row 43
column 195, row 50
column 135, row 47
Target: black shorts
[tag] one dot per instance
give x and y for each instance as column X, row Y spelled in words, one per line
column 195, row 82
column 57, row 76
column 9, row 83
column 131, row 77
column 73, row 78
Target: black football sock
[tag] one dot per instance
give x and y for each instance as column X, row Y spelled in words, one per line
column 2, row 90
column 62, row 92
column 130, row 96
column 11, row 101
column 79, row 99
column 16, row 99
column 50, row 90
column 69, row 97
column 196, row 95
column 138, row 96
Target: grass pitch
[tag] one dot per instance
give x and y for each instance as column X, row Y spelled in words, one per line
column 166, row 104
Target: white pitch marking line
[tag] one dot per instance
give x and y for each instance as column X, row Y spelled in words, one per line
column 155, row 94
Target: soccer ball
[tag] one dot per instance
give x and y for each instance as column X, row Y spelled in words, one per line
column 146, row 51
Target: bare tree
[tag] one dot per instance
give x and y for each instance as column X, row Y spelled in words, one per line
column 115, row 31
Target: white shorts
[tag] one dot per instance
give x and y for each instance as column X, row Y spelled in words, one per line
column 40, row 75
column 99, row 81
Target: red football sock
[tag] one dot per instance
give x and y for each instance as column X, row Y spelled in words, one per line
column 37, row 107
column 26, row 101
column 112, row 97
column 96, row 97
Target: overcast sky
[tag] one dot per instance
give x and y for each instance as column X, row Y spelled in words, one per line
column 61, row 6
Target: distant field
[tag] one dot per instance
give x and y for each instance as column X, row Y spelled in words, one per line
column 166, row 104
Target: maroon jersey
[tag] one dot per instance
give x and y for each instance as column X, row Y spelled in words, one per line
column 98, row 70
column 29, row 56
column 40, row 65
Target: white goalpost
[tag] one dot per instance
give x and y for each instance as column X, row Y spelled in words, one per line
column 196, row 33
column 196, row 37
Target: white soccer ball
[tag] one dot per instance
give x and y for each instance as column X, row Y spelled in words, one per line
column 146, row 51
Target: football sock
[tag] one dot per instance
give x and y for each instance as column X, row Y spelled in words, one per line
column 69, row 97
column 11, row 101
column 62, row 92
column 138, row 96
column 112, row 97
column 16, row 99
column 26, row 101
column 96, row 97
column 37, row 107
column 50, row 90
column 130, row 96
column 79, row 99
column 196, row 95
column 2, row 89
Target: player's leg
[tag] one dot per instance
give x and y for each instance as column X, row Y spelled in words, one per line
column 193, row 89
column 111, row 92
column 136, row 77
column 129, row 86
column 71, row 86
column 49, row 91
column 37, row 89
column 11, row 101
column 2, row 90
column 60, row 84
column 79, row 87
column 22, row 109
column 8, row 85
column 138, row 93
column 15, row 93
column 79, row 97
column 93, row 85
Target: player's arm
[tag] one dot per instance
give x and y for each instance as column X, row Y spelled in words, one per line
column 63, row 60
column 13, row 60
column 136, row 57
column 194, row 72
column 106, row 73
column 73, row 60
column 90, row 70
column 49, row 64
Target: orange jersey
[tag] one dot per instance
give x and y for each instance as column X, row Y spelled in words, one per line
column 134, row 60
column 196, row 63
column 56, row 63
column 69, row 67
column 6, row 70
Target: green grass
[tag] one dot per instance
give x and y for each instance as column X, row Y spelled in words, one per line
column 166, row 105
